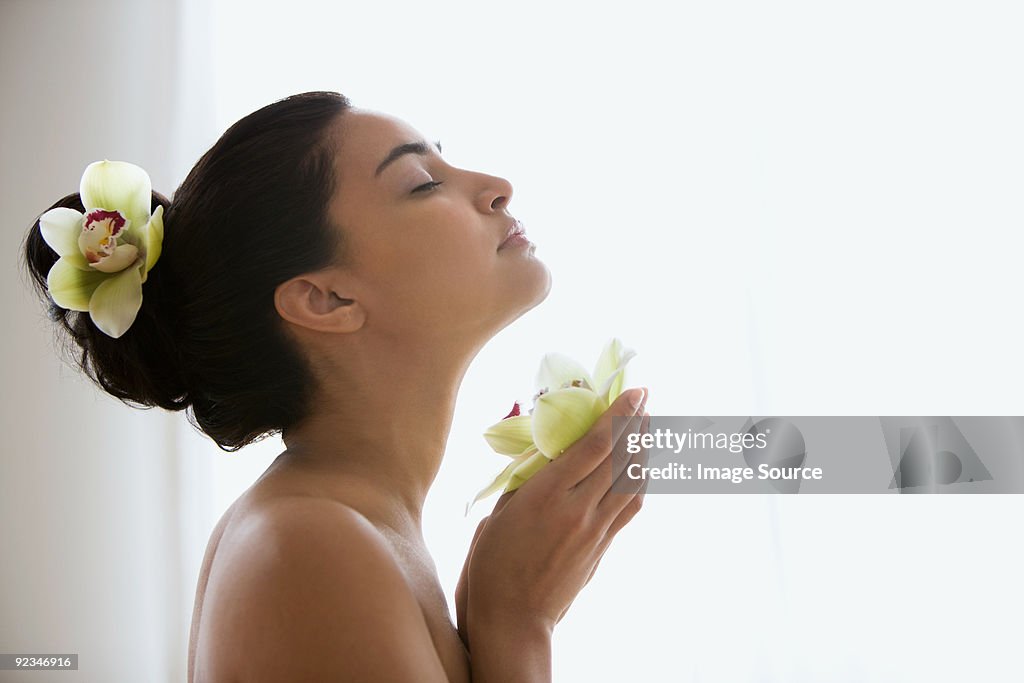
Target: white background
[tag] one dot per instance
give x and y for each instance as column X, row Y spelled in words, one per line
column 789, row 208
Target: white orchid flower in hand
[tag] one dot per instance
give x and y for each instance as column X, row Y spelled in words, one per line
column 107, row 252
column 567, row 403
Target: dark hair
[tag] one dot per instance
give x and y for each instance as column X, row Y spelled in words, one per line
column 251, row 214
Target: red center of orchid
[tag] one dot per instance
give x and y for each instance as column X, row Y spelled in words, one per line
column 515, row 411
column 100, row 215
column 100, row 229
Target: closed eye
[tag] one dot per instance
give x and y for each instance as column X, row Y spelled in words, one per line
column 428, row 186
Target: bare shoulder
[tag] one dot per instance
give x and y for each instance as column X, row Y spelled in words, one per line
column 309, row 589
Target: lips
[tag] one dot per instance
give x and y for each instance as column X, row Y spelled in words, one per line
column 516, row 228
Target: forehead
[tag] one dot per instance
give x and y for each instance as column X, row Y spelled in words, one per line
column 365, row 138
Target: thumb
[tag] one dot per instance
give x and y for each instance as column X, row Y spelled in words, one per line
column 502, row 501
column 476, row 534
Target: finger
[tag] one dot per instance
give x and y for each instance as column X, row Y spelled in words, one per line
column 463, row 584
column 621, row 455
column 605, row 476
column 476, row 534
column 580, row 459
column 629, row 475
column 464, row 576
column 628, row 512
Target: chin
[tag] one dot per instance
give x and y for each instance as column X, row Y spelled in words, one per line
column 531, row 287
column 546, row 289
column 532, row 282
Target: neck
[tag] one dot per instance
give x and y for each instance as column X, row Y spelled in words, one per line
column 377, row 430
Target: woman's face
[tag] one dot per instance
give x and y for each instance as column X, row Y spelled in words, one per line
column 422, row 237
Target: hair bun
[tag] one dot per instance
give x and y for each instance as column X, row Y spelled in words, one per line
column 141, row 367
column 207, row 335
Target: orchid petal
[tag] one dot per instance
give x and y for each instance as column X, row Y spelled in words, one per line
column 118, row 186
column 116, row 302
column 79, row 261
column 499, row 483
column 71, row 287
column 152, row 237
column 611, row 387
column 527, row 469
column 510, row 436
column 122, row 257
column 502, row 479
column 562, row 416
column 558, row 371
column 608, row 361
column 60, row 229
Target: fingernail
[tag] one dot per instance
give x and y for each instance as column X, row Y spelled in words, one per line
column 638, row 400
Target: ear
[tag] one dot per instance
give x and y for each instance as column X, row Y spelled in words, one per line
column 311, row 301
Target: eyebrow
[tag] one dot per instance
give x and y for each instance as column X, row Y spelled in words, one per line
column 418, row 147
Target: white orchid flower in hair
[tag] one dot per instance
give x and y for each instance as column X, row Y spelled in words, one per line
column 107, row 252
column 567, row 404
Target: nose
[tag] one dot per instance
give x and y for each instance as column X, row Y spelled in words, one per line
column 495, row 193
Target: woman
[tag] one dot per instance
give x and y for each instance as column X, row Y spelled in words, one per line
column 326, row 275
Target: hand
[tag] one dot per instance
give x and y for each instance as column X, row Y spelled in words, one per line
column 539, row 546
column 620, row 478
column 462, row 587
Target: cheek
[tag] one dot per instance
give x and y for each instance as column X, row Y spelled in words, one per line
column 436, row 267
column 456, row 264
